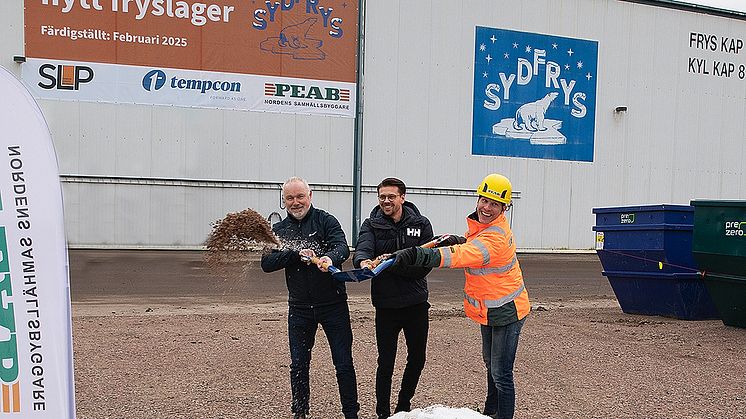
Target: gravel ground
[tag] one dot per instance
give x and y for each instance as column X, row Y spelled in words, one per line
column 577, row 359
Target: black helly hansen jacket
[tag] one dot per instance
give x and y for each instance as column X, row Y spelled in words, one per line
column 395, row 287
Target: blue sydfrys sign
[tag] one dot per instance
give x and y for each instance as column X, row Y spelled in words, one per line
column 534, row 95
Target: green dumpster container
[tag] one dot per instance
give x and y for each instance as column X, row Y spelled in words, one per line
column 728, row 293
column 719, row 236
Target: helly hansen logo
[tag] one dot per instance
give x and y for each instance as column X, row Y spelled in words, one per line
column 413, row 232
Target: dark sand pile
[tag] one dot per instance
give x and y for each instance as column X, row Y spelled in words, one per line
column 235, row 237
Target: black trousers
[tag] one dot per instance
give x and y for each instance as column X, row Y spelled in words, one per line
column 302, row 326
column 413, row 320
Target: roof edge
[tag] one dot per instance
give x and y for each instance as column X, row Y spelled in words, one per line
column 697, row 8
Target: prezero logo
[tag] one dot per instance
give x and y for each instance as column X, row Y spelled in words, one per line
column 154, row 79
column 735, row 228
column 627, row 219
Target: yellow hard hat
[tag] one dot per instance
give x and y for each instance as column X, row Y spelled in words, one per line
column 496, row 187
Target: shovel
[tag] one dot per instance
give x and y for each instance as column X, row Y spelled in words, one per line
column 358, row 275
column 355, row 275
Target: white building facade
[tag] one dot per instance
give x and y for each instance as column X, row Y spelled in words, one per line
column 653, row 112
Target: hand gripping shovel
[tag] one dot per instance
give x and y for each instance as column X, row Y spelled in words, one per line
column 357, row 275
column 347, row 276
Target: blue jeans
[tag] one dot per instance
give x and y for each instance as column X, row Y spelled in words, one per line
column 302, row 326
column 499, row 345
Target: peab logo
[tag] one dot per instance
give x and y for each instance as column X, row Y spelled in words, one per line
column 299, row 91
column 154, row 80
column 64, row 77
column 494, row 192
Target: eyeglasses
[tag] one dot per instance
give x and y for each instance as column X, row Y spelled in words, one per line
column 384, row 198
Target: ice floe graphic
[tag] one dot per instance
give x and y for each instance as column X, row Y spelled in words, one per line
column 294, row 40
column 530, row 124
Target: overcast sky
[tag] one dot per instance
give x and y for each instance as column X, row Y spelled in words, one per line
column 737, row 5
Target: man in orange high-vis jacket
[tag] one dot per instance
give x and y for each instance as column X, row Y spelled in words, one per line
column 494, row 293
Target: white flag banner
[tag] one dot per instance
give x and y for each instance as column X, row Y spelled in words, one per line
column 36, row 368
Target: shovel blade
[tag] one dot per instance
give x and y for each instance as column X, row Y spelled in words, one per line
column 383, row 265
column 355, row 275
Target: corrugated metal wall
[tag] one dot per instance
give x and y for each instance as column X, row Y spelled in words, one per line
column 682, row 136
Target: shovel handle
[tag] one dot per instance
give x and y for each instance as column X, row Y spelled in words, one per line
column 429, row 245
column 308, row 259
column 436, row 241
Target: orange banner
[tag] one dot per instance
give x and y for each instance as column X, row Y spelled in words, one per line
column 308, row 39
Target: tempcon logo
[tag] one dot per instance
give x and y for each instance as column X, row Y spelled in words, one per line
column 154, row 80
column 11, row 394
column 299, row 91
column 157, row 79
column 64, row 77
column 734, row 228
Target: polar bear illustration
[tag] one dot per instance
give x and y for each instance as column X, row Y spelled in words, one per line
column 294, row 36
column 531, row 115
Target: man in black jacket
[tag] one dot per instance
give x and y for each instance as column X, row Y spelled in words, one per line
column 398, row 294
column 314, row 297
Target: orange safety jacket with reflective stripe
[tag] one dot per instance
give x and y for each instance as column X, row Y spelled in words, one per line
column 494, row 293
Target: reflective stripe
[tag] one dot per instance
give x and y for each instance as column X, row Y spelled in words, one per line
column 495, row 303
column 473, row 301
column 491, row 271
column 495, row 228
column 445, row 254
column 482, row 249
column 505, row 300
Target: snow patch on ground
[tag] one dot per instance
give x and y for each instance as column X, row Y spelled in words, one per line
column 440, row 412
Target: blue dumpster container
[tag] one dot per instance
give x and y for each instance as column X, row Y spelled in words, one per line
column 649, row 238
column 646, row 253
column 678, row 295
column 645, row 214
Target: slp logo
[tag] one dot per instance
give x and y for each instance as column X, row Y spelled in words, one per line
column 534, row 95
column 299, row 91
column 154, row 79
column 64, row 77
column 11, row 394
